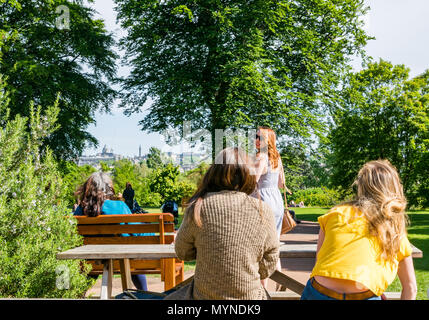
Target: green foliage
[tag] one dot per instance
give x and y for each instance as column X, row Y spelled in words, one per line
column 104, row 167
column 383, row 115
column 195, row 176
column 73, row 177
column 139, row 176
column 40, row 60
column 303, row 168
column 154, row 158
column 34, row 222
column 165, row 182
column 316, row 197
column 237, row 64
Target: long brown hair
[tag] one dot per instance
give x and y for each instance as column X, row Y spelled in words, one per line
column 94, row 192
column 230, row 171
column 269, row 137
column 380, row 197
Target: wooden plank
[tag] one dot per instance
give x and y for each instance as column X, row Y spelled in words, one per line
column 127, row 240
column 393, row 295
column 170, row 274
column 131, row 251
column 417, row 253
column 309, row 251
column 120, row 218
column 287, row 282
column 134, row 265
column 284, row 295
column 120, row 229
column 162, row 241
column 106, row 280
column 298, row 250
column 124, row 265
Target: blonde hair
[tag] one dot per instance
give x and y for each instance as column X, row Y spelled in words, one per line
column 269, row 137
column 380, row 197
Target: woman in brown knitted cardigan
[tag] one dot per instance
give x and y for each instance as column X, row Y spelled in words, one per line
column 231, row 235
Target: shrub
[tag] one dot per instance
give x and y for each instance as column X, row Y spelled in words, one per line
column 34, row 223
column 316, row 197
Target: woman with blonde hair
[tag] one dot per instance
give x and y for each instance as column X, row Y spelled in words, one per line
column 363, row 244
column 230, row 234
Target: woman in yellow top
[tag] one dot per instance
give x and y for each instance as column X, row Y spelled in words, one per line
column 363, row 244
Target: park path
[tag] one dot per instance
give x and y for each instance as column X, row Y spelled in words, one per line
column 297, row 268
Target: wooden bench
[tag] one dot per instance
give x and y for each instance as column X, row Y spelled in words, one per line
column 108, row 229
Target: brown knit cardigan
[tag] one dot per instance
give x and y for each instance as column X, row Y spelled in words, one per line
column 235, row 248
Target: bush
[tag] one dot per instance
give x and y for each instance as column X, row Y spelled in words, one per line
column 34, row 223
column 316, row 197
column 73, row 177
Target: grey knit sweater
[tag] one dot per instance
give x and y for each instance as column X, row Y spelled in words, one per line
column 235, row 248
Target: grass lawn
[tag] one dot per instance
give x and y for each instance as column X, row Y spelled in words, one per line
column 418, row 234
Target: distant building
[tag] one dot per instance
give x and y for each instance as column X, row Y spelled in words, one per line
column 186, row 160
column 105, row 156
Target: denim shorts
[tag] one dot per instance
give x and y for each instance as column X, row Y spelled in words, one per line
column 310, row 293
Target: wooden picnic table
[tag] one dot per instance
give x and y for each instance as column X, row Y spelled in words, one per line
column 123, row 253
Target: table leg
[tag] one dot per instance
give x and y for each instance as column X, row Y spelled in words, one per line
column 124, row 265
column 106, row 280
column 170, row 274
column 287, row 282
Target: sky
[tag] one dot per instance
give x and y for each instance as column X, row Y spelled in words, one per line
column 401, row 29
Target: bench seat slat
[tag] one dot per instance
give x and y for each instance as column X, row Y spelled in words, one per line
column 127, row 240
column 106, row 219
column 97, row 229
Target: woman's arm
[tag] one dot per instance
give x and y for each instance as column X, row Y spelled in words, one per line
column 268, row 264
column 184, row 243
column 282, row 180
column 407, row 278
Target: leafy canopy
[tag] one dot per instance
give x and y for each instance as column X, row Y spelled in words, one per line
column 40, row 58
column 237, row 64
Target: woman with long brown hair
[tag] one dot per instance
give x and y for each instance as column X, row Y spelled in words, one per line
column 229, row 233
column 363, row 244
column 97, row 196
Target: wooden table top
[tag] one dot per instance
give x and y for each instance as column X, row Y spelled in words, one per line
column 120, row 251
column 309, row 251
column 160, row 251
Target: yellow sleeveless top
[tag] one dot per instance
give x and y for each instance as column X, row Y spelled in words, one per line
column 349, row 252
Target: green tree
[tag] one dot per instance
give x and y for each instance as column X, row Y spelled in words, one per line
column 304, row 168
column 35, row 222
column 155, row 158
column 74, row 176
column 124, row 171
column 237, row 64
column 164, row 181
column 41, row 55
column 383, row 115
